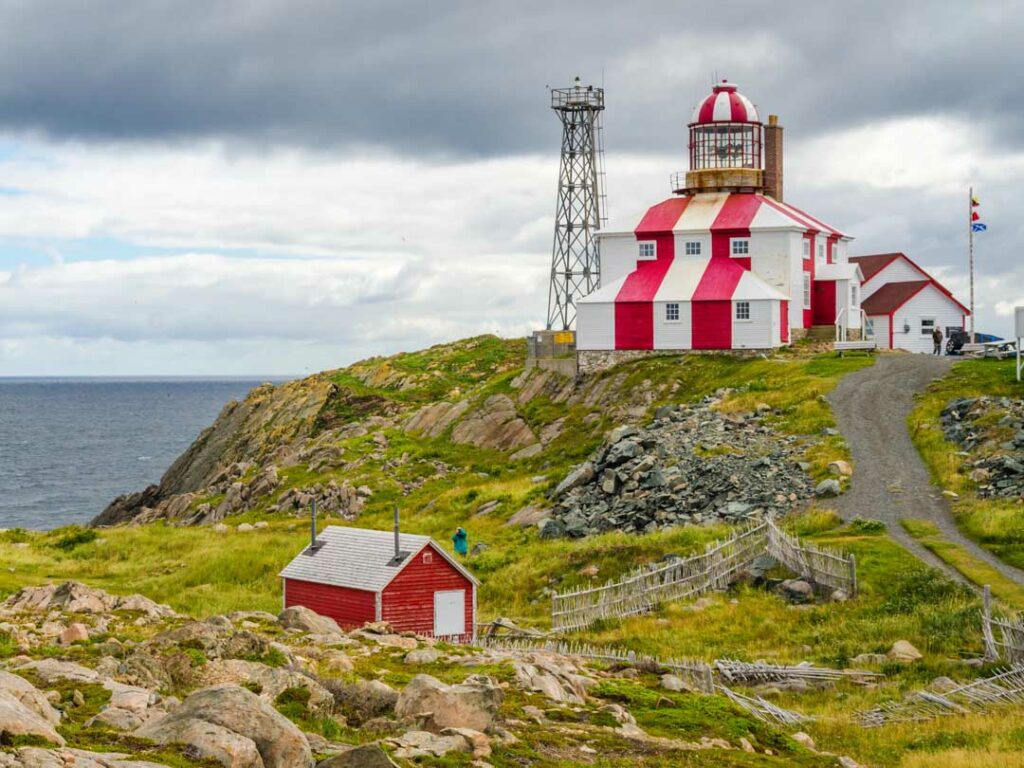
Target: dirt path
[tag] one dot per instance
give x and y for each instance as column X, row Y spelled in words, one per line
column 890, row 481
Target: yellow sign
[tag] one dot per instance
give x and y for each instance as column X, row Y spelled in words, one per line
column 565, row 337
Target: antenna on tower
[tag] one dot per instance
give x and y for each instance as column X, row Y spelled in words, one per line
column 580, row 210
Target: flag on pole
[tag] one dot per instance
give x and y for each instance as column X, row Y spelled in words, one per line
column 976, row 223
column 977, row 226
column 974, row 201
column 975, row 216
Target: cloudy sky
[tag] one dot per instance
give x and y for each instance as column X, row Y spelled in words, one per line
column 278, row 187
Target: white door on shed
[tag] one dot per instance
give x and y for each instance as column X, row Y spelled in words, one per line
column 450, row 613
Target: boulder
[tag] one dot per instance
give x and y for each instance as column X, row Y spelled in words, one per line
column 903, row 652
column 75, row 597
column 365, row 699
column 581, row 475
column 271, row 682
column 432, row 420
column 529, row 515
column 366, row 756
column 828, row 488
column 796, row 591
column 551, row 528
column 470, row 704
column 804, row 740
column 75, row 633
column 29, row 696
column 301, row 617
column 674, row 683
column 422, row 656
column 17, row 719
column 840, row 468
column 234, row 726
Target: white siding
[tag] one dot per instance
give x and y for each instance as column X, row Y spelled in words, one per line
column 839, row 255
column 776, row 323
column 595, row 326
column 757, row 332
column 674, row 334
column 899, row 271
column 881, row 330
column 769, row 258
column 681, row 239
column 619, row 252
column 929, row 303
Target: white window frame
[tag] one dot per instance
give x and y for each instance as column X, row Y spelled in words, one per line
column 739, row 246
column 807, row 248
column 869, row 326
column 669, row 306
column 821, row 253
column 853, row 295
column 931, row 330
column 647, row 250
column 692, row 248
column 740, row 307
column 807, row 290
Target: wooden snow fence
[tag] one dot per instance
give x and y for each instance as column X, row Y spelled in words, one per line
column 764, row 710
column 1003, row 688
column 1004, row 638
column 752, row 673
column 713, row 570
column 696, row 674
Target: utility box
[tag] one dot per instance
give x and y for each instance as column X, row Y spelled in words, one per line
column 552, row 351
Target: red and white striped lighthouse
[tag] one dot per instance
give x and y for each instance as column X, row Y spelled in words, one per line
column 724, row 263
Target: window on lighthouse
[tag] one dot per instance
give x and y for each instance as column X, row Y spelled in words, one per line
column 672, row 312
column 740, row 247
column 821, row 252
column 807, row 290
column 693, row 248
column 807, row 249
column 742, row 310
column 647, row 250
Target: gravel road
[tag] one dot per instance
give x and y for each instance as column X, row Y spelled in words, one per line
column 890, row 482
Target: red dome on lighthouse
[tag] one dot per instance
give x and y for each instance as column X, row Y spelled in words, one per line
column 725, row 104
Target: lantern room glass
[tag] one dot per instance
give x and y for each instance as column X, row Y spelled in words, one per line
column 725, row 145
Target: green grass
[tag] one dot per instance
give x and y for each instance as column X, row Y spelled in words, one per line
column 996, row 524
column 975, row 570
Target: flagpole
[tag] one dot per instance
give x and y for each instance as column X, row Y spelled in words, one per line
column 970, row 252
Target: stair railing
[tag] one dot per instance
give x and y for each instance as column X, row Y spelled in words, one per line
column 840, row 325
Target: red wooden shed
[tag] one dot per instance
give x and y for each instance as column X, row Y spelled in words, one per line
column 353, row 575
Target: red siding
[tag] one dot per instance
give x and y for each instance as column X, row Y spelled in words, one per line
column 408, row 601
column 634, row 325
column 712, row 324
column 784, row 320
column 349, row 607
column 823, row 301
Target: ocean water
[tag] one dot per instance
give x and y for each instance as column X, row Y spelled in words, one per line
column 69, row 446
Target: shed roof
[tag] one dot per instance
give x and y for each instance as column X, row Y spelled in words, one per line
column 360, row 558
column 892, row 296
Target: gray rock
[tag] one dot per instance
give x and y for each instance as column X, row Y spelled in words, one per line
column 828, row 487
column 551, row 529
column 796, row 591
column 583, row 474
column 300, row 617
column 621, row 433
column 366, row 756
column 471, row 704
column 234, row 726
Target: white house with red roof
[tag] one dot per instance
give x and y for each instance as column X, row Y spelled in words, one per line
column 904, row 304
column 725, row 263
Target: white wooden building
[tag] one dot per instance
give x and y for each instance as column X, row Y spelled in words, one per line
column 904, row 304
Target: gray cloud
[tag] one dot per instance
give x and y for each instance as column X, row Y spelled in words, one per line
column 466, row 78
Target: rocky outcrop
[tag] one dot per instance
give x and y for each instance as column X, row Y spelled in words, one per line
column 234, row 726
column 24, row 711
column 692, row 464
column 302, row 618
column 75, row 597
column 269, row 417
column 991, row 431
column 495, row 425
column 434, row 419
column 35, row 757
column 436, row 706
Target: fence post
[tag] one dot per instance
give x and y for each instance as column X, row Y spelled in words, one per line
column 853, row 575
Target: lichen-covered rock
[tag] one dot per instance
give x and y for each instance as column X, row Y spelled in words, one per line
column 302, row 618
column 234, row 726
column 75, row 597
column 470, row 704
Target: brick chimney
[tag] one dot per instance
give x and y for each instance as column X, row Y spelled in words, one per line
column 773, row 158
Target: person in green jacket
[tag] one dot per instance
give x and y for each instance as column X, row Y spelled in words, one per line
column 461, row 539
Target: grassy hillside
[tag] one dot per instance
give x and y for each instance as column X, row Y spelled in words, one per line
column 440, row 484
column 997, row 524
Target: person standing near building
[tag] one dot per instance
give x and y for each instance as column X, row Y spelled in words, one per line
column 937, row 340
column 461, row 541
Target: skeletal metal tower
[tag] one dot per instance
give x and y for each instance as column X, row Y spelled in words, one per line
column 575, row 266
